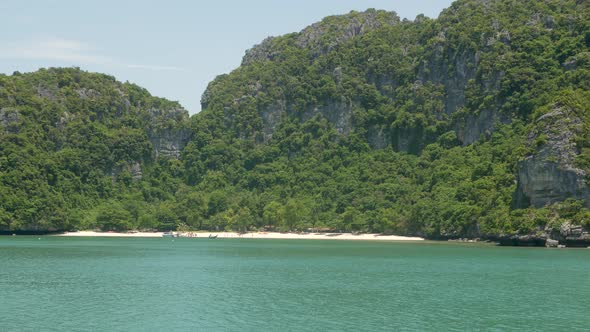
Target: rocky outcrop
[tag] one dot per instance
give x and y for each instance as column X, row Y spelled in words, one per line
column 337, row 112
column 456, row 70
column 448, row 68
column 319, row 38
column 549, row 175
column 464, row 72
column 86, row 93
column 451, row 70
column 550, row 243
column 264, row 51
column 324, row 36
column 475, row 125
column 272, row 116
column 9, row 118
column 567, row 235
column 134, row 170
column 378, row 136
column 340, row 29
column 168, row 133
column 168, row 143
column 46, row 92
column 572, row 235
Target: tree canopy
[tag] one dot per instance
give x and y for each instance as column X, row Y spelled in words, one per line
column 362, row 122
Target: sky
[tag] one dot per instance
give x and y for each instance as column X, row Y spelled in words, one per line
column 173, row 48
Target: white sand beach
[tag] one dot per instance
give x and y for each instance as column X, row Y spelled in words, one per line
column 254, row 235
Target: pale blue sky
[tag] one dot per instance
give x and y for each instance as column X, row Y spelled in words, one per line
column 173, row 48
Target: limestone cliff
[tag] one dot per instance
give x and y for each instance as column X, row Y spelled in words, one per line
column 549, row 174
column 168, row 131
column 464, row 86
column 462, row 74
column 325, row 36
column 316, row 40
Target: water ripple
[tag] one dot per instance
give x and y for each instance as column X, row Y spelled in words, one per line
column 65, row 284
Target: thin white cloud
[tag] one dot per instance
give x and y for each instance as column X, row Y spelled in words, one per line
column 71, row 51
column 53, row 49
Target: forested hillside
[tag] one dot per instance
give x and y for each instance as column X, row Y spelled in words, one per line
column 473, row 124
column 75, row 147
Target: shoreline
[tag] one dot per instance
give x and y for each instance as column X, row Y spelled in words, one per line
column 250, row 235
column 305, row 236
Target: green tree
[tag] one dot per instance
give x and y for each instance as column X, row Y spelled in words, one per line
column 274, row 214
column 112, row 217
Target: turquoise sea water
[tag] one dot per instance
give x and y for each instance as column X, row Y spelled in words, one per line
column 164, row 284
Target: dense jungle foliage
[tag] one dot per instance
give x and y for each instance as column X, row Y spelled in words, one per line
column 363, row 122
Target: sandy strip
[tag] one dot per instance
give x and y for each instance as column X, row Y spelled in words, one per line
column 255, row 235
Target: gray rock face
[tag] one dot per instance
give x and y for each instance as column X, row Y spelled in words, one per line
column 480, row 124
column 568, row 234
column 549, row 175
column 378, row 137
column 168, row 133
column 340, row 29
column 9, row 118
column 261, row 52
column 64, row 120
column 46, row 92
column 569, row 230
column 133, row 168
column 549, row 243
column 85, row 93
column 136, row 172
column 453, row 71
column 168, row 143
column 337, row 112
column 272, row 116
column 346, row 28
